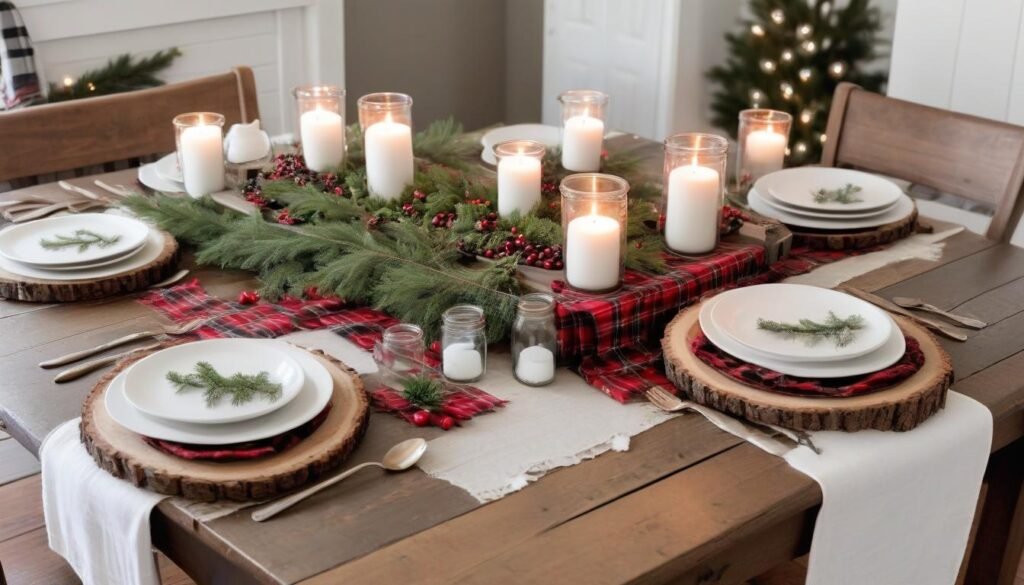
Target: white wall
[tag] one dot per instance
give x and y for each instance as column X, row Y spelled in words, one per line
column 286, row 42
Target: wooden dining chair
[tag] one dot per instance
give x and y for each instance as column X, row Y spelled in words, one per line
column 70, row 135
column 973, row 158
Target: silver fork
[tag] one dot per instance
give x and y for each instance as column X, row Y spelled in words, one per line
column 751, row 432
column 161, row 332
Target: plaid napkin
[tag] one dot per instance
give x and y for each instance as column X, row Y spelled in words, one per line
column 19, row 82
column 462, row 403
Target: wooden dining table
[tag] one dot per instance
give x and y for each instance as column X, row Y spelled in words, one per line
column 686, row 504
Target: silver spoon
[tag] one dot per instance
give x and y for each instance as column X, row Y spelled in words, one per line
column 912, row 303
column 398, row 458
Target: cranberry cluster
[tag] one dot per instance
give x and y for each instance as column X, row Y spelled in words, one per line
column 443, row 219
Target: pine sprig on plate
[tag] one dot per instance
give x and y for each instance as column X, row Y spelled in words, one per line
column 841, row 331
column 844, row 195
column 82, row 238
column 242, row 388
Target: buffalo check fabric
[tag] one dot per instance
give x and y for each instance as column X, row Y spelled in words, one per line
column 19, row 82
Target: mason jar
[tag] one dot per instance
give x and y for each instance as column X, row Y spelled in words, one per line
column 463, row 343
column 534, row 340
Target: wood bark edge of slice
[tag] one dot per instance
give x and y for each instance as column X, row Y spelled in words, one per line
column 856, row 239
column 16, row 287
column 124, row 455
column 900, row 408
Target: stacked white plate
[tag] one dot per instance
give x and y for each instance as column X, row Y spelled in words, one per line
column 789, row 196
column 163, row 175
column 142, row 400
column 730, row 321
column 23, row 249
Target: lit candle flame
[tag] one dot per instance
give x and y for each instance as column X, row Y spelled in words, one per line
column 593, row 208
column 769, row 128
column 387, row 117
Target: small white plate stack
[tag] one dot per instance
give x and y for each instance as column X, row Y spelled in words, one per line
column 28, row 249
column 730, row 321
column 163, row 175
column 789, row 196
column 144, row 401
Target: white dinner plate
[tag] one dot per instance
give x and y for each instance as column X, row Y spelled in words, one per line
column 23, row 243
column 150, row 178
column 550, row 136
column 736, row 313
column 312, row 399
column 797, row 186
column 881, row 358
column 820, row 214
column 903, row 208
column 167, row 167
column 148, row 389
column 107, row 262
column 150, row 251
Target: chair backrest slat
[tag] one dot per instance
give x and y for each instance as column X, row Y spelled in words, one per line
column 94, row 131
column 974, row 158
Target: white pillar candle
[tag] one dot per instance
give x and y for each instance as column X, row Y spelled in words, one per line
column 518, row 184
column 592, row 252
column 582, row 139
column 764, row 152
column 691, row 212
column 323, row 139
column 535, row 365
column 202, row 159
column 462, row 362
column 389, row 161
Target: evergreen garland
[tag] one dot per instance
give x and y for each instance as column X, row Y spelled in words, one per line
column 790, row 56
column 120, row 74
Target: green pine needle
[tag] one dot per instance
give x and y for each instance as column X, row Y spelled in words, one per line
column 845, row 195
column 120, row 74
column 841, row 331
column 82, row 238
column 423, row 392
column 242, row 388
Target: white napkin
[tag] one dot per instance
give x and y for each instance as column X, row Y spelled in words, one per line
column 98, row 523
column 897, row 507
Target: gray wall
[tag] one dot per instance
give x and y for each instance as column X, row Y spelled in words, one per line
column 478, row 60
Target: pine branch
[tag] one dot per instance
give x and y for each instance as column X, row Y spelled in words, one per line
column 242, row 388
column 444, row 143
column 195, row 221
column 423, row 392
column 309, row 201
column 82, row 238
column 120, row 74
column 844, row 195
column 840, row 331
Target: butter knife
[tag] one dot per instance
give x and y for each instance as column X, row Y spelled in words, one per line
column 894, row 308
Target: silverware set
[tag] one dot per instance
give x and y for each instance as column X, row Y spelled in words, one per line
column 901, row 306
column 36, row 207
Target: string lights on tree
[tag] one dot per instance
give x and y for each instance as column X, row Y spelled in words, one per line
column 790, row 56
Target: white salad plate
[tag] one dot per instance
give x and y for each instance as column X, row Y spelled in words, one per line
column 903, row 208
column 737, row 311
column 167, row 168
column 820, row 214
column 312, row 399
column 149, row 177
column 149, row 252
column 23, row 243
column 879, row 359
column 797, row 186
column 107, row 262
column 550, row 136
column 148, row 389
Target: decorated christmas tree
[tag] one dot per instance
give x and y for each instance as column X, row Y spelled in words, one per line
column 790, row 56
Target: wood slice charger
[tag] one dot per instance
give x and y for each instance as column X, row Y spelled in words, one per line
column 17, row 287
column 857, row 239
column 899, row 408
column 125, row 455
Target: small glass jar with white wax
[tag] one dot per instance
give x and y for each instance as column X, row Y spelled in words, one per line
column 199, row 138
column 535, row 340
column 321, row 110
column 520, row 165
column 583, row 121
column 386, row 121
column 594, row 213
column 763, row 138
column 693, row 191
column 463, row 343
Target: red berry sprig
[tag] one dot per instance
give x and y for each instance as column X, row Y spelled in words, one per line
column 443, row 220
column 248, row 297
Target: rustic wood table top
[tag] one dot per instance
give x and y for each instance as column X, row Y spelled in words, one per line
column 686, row 504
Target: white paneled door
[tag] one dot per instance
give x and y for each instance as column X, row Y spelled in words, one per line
column 286, row 42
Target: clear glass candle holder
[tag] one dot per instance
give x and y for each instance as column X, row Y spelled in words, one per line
column 763, row 137
column 321, row 111
column 199, row 137
column 463, row 343
column 520, row 165
column 583, row 120
column 693, row 191
column 400, row 353
column 535, row 340
column 386, row 121
column 594, row 230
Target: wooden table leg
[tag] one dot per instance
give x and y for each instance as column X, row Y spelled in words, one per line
column 1000, row 540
